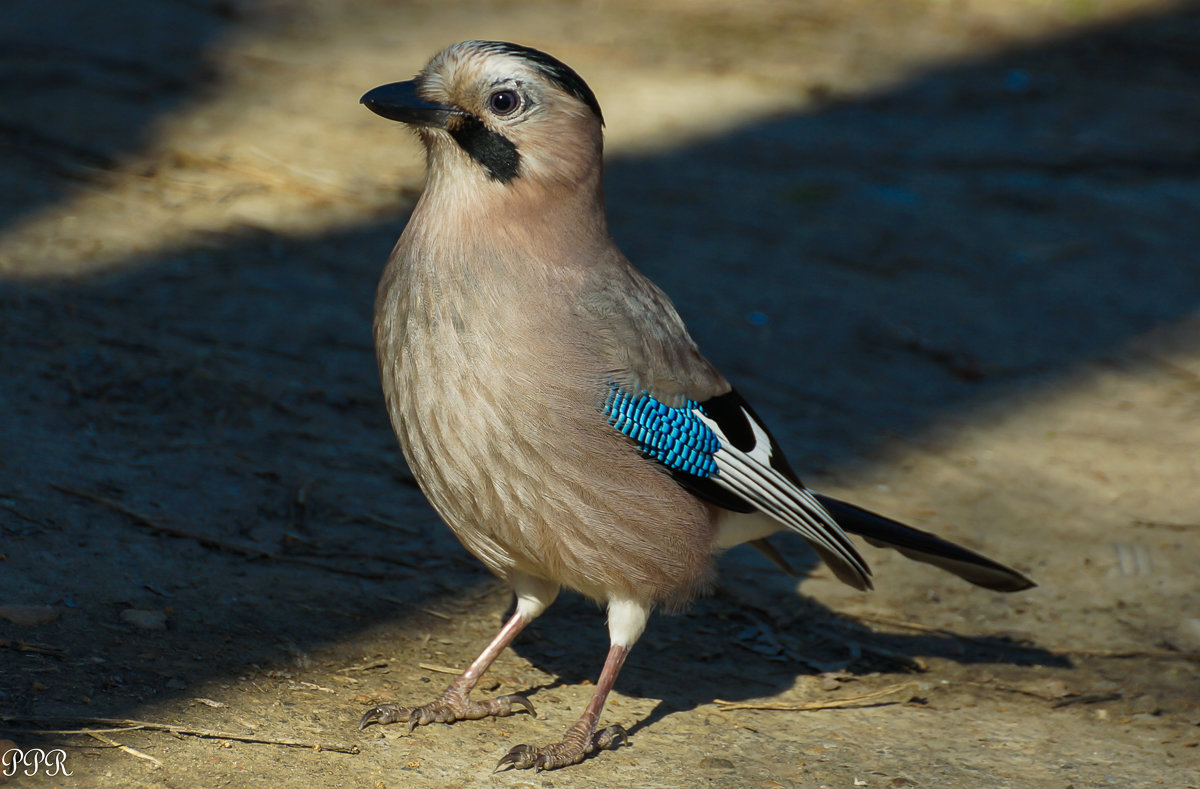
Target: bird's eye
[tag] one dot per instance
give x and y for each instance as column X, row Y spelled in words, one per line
column 504, row 102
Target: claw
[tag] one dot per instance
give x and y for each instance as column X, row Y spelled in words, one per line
column 446, row 709
column 384, row 713
column 518, row 758
column 517, row 698
column 606, row 739
column 571, row 750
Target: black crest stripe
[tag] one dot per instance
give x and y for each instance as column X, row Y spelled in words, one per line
column 554, row 70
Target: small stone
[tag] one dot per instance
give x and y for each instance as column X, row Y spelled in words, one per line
column 716, row 762
column 144, row 619
column 1146, row 704
column 29, row 615
column 1048, row 689
column 1185, row 636
column 830, row 683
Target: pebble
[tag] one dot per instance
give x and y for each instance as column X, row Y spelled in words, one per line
column 1185, row 636
column 28, row 615
column 717, row 762
column 144, row 619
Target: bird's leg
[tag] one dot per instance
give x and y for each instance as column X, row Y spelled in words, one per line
column 454, row 704
column 626, row 621
column 582, row 738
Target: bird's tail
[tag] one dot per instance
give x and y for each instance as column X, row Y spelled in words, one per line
column 924, row 547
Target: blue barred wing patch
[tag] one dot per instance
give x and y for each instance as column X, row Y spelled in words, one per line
column 675, row 437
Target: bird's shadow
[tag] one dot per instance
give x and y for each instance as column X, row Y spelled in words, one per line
column 751, row 638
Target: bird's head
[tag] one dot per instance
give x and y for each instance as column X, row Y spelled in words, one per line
column 496, row 115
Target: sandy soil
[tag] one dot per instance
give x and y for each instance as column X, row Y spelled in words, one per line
column 948, row 249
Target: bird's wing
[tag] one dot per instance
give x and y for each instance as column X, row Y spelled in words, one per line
column 720, row 450
column 681, row 412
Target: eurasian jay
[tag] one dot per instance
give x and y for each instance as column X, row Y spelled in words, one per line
column 548, row 398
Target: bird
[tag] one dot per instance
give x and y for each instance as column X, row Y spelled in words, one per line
column 550, row 401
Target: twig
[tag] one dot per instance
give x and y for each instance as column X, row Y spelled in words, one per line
column 315, row 686
column 244, row 549
column 852, row 701
column 1167, row 525
column 21, row 515
column 125, row 748
column 123, row 724
column 367, row 516
column 30, row 646
column 440, row 669
column 107, row 730
column 366, row 666
column 1088, row 698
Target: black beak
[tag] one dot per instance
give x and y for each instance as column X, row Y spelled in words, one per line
column 399, row 102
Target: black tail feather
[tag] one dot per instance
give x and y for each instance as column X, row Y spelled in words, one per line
column 924, row 547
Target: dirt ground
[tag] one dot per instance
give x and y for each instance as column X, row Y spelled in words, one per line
column 949, row 248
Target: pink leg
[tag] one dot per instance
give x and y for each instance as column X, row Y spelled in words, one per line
column 453, row 704
column 582, row 738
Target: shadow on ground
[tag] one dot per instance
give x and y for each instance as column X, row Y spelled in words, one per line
column 86, row 82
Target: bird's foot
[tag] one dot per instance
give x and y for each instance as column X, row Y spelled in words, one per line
column 579, row 741
column 451, row 706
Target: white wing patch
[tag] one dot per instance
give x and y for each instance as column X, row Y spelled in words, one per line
column 750, row 476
